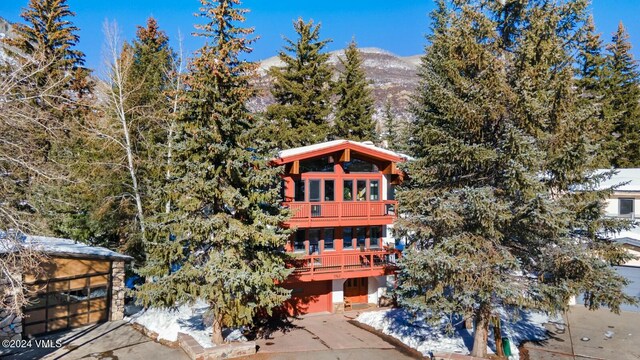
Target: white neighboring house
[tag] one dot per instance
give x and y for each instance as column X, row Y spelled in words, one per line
column 625, row 203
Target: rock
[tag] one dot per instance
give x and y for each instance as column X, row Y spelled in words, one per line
column 585, row 338
column 6, row 321
column 609, row 334
column 18, row 319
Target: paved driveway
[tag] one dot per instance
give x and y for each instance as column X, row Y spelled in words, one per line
column 330, row 336
column 107, row 341
column 610, row 337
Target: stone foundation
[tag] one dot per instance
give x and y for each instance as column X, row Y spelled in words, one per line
column 227, row 351
column 117, row 291
column 10, row 326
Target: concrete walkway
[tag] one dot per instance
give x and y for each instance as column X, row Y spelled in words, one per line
column 110, row 340
column 327, row 336
column 621, row 342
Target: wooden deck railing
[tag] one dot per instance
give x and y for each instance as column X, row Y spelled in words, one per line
column 338, row 210
column 347, row 261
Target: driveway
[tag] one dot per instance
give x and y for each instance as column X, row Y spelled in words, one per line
column 592, row 335
column 108, row 341
column 327, row 336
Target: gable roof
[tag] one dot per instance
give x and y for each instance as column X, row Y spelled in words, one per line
column 367, row 148
column 630, row 178
column 60, row 247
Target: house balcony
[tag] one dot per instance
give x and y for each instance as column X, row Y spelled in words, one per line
column 352, row 213
column 346, row 264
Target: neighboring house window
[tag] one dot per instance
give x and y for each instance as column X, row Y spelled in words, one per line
column 347, row 238
column 626, row 206
column 298, row 242
column 314, row 190
column 328, row 190
column 376, row 237
column 374, row 190
column 299, row 191
column 347, row 191
column 328, row 239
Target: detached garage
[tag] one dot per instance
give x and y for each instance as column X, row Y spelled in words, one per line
column 75, row 286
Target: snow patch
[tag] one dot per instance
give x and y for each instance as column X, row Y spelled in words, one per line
column 414, row 331
column 187, row 319
column 167, row 323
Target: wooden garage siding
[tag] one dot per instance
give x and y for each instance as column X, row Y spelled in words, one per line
column 68, row 274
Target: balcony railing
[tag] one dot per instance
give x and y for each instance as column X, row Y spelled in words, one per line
column 342, row 210
column 382, row 261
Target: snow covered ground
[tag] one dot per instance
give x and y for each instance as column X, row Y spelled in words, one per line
column 414, row 331
column 186, row 319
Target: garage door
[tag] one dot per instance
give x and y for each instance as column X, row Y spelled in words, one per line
column 633, row 289
column 309, row 297
column 69, row 293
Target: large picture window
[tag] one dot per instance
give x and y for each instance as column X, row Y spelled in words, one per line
column 361, row 237
column 347, row 238
column 374, row 190
column 328, row 190
column 298, row 242
column 328, row 239
column 299, row 191
column 347, row 190
column 314, row 190
column 361, row 192
column 376, row 237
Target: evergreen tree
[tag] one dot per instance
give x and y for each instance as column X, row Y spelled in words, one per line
column 592, row 82
column 622, row 107
column 491, row 211
column 302, row 90
column 219, row 241
column 390, row 130
column 354, row 110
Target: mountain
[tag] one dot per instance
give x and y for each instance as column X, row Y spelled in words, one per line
column 6, row 32
column 391, row 77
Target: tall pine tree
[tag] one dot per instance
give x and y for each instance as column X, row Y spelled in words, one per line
column 354, row 109
column 623, row 108
column 220, row 240
column 502, row 186
column 592, row 82
column 302, row 90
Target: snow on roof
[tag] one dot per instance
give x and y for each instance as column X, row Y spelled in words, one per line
column 59, row 246
column 329, row 144
column 629, row 177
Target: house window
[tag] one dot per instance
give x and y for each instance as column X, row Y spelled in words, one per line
column 347, row 238
column 314, row 240
column 314, row 190
column 374, row 190
column 328, row 239
column 299, row 191
column 328, row 190
column 376, row 237
column 359, row 166
column 347, row 190
column 361, row 237
column 626, row 207
column 323, row 164
column 361, row 192
column 298, row 242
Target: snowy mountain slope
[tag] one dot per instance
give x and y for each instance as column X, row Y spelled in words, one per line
column 392, row 78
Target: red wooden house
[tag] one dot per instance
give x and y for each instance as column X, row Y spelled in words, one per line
column 341, row 194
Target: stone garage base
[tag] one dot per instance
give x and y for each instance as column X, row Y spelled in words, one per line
column 228, row 351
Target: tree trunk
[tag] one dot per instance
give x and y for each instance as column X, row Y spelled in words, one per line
column 216, row 335
column 497, row 335
column 480, row 335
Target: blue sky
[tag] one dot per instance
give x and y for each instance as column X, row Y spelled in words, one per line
column 397, row 26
